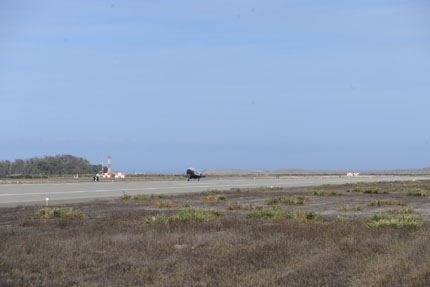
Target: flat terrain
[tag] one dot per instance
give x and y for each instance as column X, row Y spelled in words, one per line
column 19, row 194
column 357, row 234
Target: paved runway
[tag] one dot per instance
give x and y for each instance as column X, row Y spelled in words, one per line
column 23, row 194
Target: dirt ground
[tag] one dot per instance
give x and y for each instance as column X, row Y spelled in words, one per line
column 119, row 242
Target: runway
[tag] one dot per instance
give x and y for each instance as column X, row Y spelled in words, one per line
column 24, row 194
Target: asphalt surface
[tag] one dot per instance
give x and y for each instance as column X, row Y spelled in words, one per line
column 24, row 194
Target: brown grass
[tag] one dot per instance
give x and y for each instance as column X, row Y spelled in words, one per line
column 117, row 244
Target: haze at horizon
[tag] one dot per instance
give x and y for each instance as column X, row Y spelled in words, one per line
column 162, row 86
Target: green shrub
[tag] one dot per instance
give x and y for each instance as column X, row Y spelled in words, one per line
column 188, row 214
column 384, row 202
column 295, row 200
column 355, row 189
column 195, row 214
column 140, row 197
column 325, row 193
column 268, row 213
column 403, row 210
column 400, row 220
column 357, row 207
column 370, row 190
column 418, row 192
column 341, row 218
column 214, row 197
column 278, row 214
column 303, row 216
column 373, row 190
column 164, row 204
column 57, row 212
column 238, row 206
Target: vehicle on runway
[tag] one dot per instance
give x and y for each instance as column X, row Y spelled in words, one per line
column 194, row 174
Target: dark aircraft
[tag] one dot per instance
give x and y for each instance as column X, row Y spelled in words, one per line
column 192, row 173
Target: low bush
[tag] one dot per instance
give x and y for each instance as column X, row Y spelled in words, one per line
column 164, row 203
column 140, row 197
column 403, row 210
column 268, row 214
column 325, row 193
column 357, row 207
column 195, row 214
column 189, row 214
column 303, row 216
column 157, row 219
column 295, row 200
column 214, row 198
column 369, row 190
column 57, row 212
column 384, row 202
column 373, row 190
column 278, row 214
column 418, row 192
column 245, row 206
column 400, row 220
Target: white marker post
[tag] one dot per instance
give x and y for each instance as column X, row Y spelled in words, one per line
column 47, row 201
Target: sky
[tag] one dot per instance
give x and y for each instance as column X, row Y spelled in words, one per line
column 165, row 85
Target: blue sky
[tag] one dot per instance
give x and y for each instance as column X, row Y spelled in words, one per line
column 163, row 85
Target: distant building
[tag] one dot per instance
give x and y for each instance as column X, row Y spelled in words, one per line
column 119, row 175
column 352, row 174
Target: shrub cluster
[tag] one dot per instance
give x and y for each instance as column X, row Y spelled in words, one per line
column 214, row 197
column 384, row 202
column 189, row 214
column 140, row 197
column 57, row 212
column 164, row 203
column 243, row 206
column 295, row 200
column 399, row 220
column 357, row 207
column 278, row 214
column 325, row 193
column 371, row 190
column 418, row 192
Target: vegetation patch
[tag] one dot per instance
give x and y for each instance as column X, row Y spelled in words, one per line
column 400, row 220
column 244, row 206
column 164, row 203
column 268, row 214
column 418, row 192
column 385, row 202
column 293, row 200
column 275, row 188
column 185, row 215
column 303, row 216
column 267, row 188
column 357, row 207
column 214, row 198
column 140, row 197
column 236, row 189
column 325, row 193
column 369, row 190
column 279, row 214
column 403, row 210
column 57, row 212
column 341, row 218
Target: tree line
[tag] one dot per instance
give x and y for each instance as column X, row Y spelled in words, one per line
column 59, row 165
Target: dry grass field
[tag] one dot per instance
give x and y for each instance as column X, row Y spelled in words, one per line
column 375, row 234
